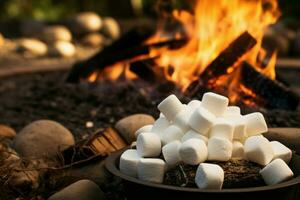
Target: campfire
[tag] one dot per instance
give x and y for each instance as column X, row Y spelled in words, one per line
column 214, row 47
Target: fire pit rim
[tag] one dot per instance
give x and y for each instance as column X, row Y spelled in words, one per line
column 111, row 164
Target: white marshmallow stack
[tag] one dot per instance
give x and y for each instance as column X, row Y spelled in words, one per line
column 204, row 130
column 148, row 145
column 193, row 134
column 259, row 150
column 128, row 162
column 209, row 176
column 193, row 151
column 171, row 155
column 276, row 172
column 219, row 149
column 281, row 151
column 151, row 170
column 170, row 107
column 171, row 134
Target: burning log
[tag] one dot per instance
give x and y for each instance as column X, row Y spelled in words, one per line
column 126, row 47
column 224, row 63
column 274, row 93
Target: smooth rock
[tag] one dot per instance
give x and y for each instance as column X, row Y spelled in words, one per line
column 80, row 190
column 129, row 125
column 94, row 40
column 111, row 28
column 62, row 49
column 42, row 138
column 86, row 22
column 32, row 46
column 7, row 132
column 55, row 33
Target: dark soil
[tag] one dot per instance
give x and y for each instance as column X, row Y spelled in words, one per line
column 237, row 174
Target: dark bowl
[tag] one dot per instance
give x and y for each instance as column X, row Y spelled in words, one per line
column 136, row 189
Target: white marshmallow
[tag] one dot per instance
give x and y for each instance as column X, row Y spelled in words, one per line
column 194, row 104
column 151, row 170
column 215, row 103
column 255, row 124
column 170, row 106
column 146, row 128
column 193, row 134
column 219, row 149
column 239, row 132
column 128, row 162
column 171, row 153
column 209, row 176
column 171, row 134
column 276, row 172
column 201, row 121
column 258, row 149
column 281, row 151
column 193, row 152
column 148, row 144
column 133, row 145
column 161, row 115
column 160, row 125
column 182, row 119
column 237, row 149
column 223, row 129
column 232, row 111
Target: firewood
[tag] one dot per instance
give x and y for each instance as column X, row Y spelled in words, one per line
column 274, row 93
column 221, row 65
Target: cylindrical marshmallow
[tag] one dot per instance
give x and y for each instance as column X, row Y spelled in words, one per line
column 219, row 149
column 194, row 104
column 276, row 172
column 151, row 170
column 148, row 144
column 170, row 106
column 237, row 149
column 258, row 149
column 191, row 134
column 133, row 145
column 193, row 152
column 201, row 121
column 171, row 153
column 171, row 134
column 255, row 124
column 209, row 176
column 222, row 128
column 128, row 162
column 182, row 119
column 281, row 151
column 232, row 111
column 215, row 103
column 160, row 125
column 239, row 132
column 146, row 128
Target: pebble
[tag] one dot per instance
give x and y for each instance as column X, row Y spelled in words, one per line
column 86, row 22
column 55, row 33
column 80, row 190
column 129, row 125
column 62, row 49
column 33, row 47
column 111, row 28
column 42, row 138
column 7, row 132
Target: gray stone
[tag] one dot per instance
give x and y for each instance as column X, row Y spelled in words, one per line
column 32, row 46
column 55, row 33
column 80, row 190
column 43, row 138
column 86, row 22
column 62, row 49
column 111, row 28
column 7, row 132
column 129, row 125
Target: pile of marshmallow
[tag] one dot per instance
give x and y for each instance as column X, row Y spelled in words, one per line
column 207, row 130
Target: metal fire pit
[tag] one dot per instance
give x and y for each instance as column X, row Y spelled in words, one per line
column 137, row 189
